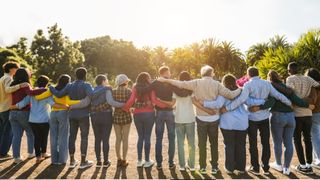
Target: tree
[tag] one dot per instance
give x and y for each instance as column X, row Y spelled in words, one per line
column 11, row 55
column 256, row 53
column 22, row 50
column 56, row 54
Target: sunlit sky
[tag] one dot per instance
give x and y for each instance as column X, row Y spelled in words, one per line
column 169, row 23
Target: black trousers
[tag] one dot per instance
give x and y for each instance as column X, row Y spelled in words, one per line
column 41, row 132
column 235, row 149
column 264, row 128
column 205, row 130
column 303, row 127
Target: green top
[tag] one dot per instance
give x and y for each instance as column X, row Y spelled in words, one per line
column 278, row 106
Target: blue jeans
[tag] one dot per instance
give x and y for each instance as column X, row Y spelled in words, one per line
column 59, row 136
column 315, row 135
column 162, row 118
column 183, row 130
column 102, row 126
column 19, row 123
column 75, row 124
column 5, row 133
column 144, row 124
column 282, row 129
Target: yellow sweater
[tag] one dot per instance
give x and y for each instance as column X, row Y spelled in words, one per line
column 65, row 100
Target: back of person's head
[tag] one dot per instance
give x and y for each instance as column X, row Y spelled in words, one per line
column 81, row 73
column 22, row 75
column 100, row 79
column 293, row 68
column 314, row 74
column 42, row 81
column 273, row 76
column 10, row 65
column 63, row 80
column 206, row 71
column 164, row 71
column 229, row 81
column 184, row 76
column 252, row 72
column 142, row 82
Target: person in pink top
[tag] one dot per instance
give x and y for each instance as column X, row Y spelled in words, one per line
column 144, row 100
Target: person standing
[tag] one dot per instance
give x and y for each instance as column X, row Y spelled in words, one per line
column 143, row 100
column 258, row 121
column 10, row 69
column 315, row 128
column 19, row 118
column 206, row 88
column 184, row 123
column 302, row 85
column 122, row 120
column 78, row 118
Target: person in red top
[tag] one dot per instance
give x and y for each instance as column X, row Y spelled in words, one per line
column 19, row 118
column 143, row 115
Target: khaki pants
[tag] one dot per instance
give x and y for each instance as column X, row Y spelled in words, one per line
column 122, row 135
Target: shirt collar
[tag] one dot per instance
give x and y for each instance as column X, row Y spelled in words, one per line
column 207, row 77
column 255, row 78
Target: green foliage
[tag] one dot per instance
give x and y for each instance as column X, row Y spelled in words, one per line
column 56, row 54
column 11, row 55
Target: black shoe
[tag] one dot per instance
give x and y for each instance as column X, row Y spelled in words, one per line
column 215, row 171
column 106, row 164
column 254, row 171
column 302, row 170
column 159, row 167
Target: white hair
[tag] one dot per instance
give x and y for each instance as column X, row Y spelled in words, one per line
column 205, row 70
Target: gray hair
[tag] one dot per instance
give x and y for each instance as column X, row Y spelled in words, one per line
column 206, row 71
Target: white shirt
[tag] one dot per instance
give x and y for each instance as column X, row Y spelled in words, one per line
column 185, row 111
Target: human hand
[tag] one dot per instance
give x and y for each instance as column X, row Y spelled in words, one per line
column 25, row 84
column 311, row 106
column 254, row 108
column 223, row 110
column 13, row 107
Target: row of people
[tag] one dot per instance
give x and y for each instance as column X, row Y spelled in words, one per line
column 237, row 107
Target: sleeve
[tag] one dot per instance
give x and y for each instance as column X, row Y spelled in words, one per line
column 174, row 96
column 225, row 92
column 61, row 93
column 156, row 102
column 89, row 89
column 190, row 85
column 72, row 102
column 254, row 102
column 214, row 104
column 279, row 96
column 111, row 101
column 98, row 92
column 44, row 95
column 239, row 100
column 10, row 89
column 33, row 92
column 313, row 82
column 83, row 103
column 131, row 100
column 268, row 103
column 24, row 102
column 298, row 101
column 290, row 82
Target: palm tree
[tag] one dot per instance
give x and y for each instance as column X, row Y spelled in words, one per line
column 256, row 53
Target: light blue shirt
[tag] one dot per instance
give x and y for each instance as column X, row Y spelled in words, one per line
column 258, row 89
column 236, row 119
column 40, row 110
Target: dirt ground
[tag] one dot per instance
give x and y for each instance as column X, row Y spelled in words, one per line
column 28, row 169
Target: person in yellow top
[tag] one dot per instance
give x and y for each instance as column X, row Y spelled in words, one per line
column 59, row 122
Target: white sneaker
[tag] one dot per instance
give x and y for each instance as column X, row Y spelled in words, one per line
column 140, row 163
column 276, row 166
column 286, row 171
column 18, row 160
column 148, row 164
column 182, row 169
column 30, row 156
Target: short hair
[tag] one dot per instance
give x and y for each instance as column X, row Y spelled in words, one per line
column 10, row 65
column 206, row 71
column 81, row 73
column 253, row 71
column 42, row 81
column 163, row 69
column 313, row 73
column 229, row 81
column 293, row 67
column 100, row 78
